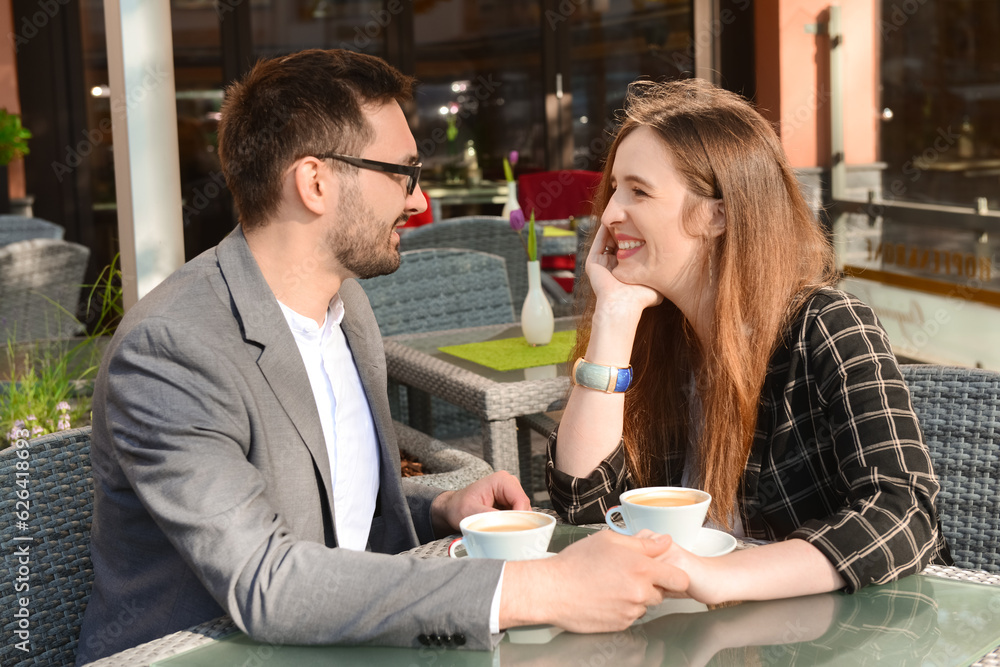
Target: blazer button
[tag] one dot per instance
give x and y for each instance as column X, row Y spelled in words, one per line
column 436, row 638
column 424, row 639
column 459, row 639
column 446, row 639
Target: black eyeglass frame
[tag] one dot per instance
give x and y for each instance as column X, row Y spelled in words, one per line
column 411, row 171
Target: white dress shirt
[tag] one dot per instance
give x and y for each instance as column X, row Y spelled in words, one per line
column 348, row 427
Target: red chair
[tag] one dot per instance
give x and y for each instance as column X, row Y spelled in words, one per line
column 420, row 219
column 557, row 195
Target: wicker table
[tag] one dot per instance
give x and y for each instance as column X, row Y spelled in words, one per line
column 498, row 398
column 211, row 631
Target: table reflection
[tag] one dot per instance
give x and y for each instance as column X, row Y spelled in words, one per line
column 895, row 624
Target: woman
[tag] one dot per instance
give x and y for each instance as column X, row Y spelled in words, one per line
column 753, row 378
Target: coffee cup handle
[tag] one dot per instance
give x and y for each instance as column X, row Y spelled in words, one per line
column 617, row 509
column 454, row 545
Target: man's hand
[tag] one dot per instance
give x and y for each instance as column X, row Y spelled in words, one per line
column 600, row 584
column 499, row 491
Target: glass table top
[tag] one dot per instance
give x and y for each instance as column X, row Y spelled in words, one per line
column 919, row 620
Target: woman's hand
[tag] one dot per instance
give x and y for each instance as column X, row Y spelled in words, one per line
column 783, row 569
column 610, row 290
column 703, row 578
column 602, row 583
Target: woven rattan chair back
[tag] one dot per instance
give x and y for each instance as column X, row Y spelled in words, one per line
column 436, row 289
column 485, row 233
column 959, row 413
column 47, row 505
column 14, row 228
column 441, row 288
column 40, row 285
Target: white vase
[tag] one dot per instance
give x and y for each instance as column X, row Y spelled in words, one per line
column 537, row 322
column 511, row 202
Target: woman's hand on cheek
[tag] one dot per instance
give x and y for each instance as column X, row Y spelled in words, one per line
column 608, row 289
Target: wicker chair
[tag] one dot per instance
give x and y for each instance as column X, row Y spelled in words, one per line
column 56, row 514
column 14, row 228
column 441, row 288
column 959, row 413
column 437, row 289
column 40, row 284
column 493, row 235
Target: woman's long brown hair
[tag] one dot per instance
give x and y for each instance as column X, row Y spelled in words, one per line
column 770, row 258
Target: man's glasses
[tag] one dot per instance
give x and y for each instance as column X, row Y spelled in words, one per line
column 411, row 171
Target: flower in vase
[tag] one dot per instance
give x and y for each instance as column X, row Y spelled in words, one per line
column 517, row 223
column 508, row 166
column 517, row 220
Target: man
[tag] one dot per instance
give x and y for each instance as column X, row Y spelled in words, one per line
column 243, row 452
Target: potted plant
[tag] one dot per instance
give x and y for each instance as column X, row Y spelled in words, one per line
column 13, row 144
column 47, row 385
column 435, row 463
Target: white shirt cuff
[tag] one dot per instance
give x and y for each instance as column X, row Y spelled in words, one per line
column 495, row 607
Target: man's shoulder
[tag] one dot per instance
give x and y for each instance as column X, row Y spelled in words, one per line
column 194, row 297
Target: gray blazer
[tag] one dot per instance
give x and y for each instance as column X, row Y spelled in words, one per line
column 212, row 483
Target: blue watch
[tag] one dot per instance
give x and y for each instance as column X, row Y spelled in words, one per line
column 609, row 379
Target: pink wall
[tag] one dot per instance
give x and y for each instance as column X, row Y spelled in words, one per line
column 768, row 59
column 795, row 93
column 8, row 89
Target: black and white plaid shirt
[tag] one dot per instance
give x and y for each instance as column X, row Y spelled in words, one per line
column 838, row 458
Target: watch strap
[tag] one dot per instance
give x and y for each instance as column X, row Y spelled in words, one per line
column 609, row 379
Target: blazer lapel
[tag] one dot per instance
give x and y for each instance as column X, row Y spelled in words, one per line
column 280, row 362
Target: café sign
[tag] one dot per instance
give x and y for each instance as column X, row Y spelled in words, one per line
column 935, row 290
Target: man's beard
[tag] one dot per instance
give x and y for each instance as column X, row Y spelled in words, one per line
column 360, row 245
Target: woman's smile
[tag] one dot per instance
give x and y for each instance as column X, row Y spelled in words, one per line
column 627, row 246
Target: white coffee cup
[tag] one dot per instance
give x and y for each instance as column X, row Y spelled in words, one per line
column 505, row 535
column 669, row 510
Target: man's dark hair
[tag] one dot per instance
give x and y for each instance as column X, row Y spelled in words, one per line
column 288, row 107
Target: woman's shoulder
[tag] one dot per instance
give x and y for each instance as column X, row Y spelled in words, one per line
column 833, row 305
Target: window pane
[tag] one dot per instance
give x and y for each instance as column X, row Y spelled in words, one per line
column 479, row 68
column 208, row 209
column 208, row 214
column 284, row 27
column 941, row 94
column 615, row 42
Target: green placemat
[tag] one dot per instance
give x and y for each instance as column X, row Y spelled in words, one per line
column 511, row 354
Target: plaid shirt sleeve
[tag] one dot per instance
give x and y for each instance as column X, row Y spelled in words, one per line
column 867, row 448
column 587, row 499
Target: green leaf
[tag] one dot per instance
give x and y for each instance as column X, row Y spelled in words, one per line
column 532, row 240
column 508, row 173
column 13, row 137
column 44, row 374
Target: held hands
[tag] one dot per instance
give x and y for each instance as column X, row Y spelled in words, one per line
column 497, row 491
column 600, row 584
column 606, row 286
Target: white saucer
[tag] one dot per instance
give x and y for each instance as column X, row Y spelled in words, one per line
column 713, row 542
